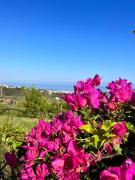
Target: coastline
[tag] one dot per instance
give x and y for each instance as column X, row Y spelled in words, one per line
column 56, row 89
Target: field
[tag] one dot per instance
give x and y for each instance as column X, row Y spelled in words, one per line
column 9, row 124
column 25, row 123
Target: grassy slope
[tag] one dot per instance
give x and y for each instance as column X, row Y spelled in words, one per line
column 24, row 123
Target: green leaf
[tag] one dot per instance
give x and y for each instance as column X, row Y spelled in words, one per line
column 130, row 127
column 88, row 128
column 107, row 125
column 118, row 148
column 4, row 137
column 14, row 146
column 102, row 143
column 96, row 140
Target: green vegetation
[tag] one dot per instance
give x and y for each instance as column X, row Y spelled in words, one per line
column 37, row 105
column 31, row 102
column 12, row 130
column 20, row 109
column 12, row 134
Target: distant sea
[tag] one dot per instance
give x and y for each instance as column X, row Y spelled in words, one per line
column 47, row 86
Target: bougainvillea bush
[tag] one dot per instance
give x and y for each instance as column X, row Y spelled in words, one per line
column 94, row 139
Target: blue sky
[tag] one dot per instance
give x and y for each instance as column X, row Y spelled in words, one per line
column 66, row 40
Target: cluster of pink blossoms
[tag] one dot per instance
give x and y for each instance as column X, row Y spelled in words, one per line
column 125, row 172
column 120, row 91
column 84, row 94
column 119, row 130
column 52, row 149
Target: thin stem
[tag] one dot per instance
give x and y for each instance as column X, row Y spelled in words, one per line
column 84, row 139
column 105, row 157
column 110, row 156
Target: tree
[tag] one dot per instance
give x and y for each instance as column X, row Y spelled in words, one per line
column 35, row 103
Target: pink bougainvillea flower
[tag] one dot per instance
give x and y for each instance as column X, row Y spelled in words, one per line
column 120, row 90
column 75, row 100
column 116, row 141
column 96, row 80
column 94, row 98
column 31, row 154
column 108, row 148
column 83, row 86
column 119, row 129
column 80, row 158
column 104, row 98
column 27, row 172
column 50, row 145
column 72, row 176
column 41, row 171
column 125, row 172
column 74, row 161
column 81, row 100
column 106, row 175
column 71, row 99
column 43, row 153
column 84, row 94
column 11, row 159
column 62, row 165
column 58, row 164
column 112, row 85
column 112, row 106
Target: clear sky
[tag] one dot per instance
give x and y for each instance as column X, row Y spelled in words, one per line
column 66, row 40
